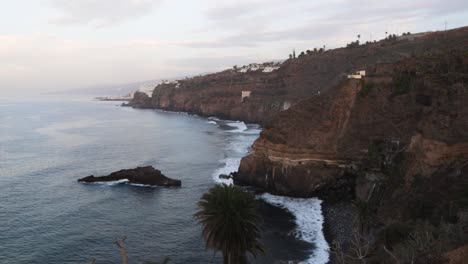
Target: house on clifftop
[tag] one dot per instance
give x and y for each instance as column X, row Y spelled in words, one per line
column 357, row 75
column 245, row 94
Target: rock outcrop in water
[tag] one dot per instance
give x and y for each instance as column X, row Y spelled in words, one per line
column 141, row 175
column 395, row 142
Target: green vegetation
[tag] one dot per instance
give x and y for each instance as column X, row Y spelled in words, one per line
column 307, row 52
column 353, row 44
column 402, row 82
column 366, row 88
column 230, row 223
column 395, row 233
column 375, row 153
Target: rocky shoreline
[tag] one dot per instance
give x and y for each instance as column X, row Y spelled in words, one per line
column 394, row 141
column 338, row 223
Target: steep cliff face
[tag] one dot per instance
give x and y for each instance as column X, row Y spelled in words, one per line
column 417, row 106
column 395, row 144
column 275, row 90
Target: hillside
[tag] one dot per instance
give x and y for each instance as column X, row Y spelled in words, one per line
column 274, row 90
column 388, row 153
column 395, row 143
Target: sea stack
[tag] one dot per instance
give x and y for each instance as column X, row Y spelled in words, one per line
column 140, row 175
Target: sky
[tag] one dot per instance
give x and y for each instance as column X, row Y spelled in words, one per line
column 54, row 45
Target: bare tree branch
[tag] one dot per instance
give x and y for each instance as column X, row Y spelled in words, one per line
column 120, row 244
column 390, row 253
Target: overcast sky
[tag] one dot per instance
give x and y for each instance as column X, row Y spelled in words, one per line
column 48, row 45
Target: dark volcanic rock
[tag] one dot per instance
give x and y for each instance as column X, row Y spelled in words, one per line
column 141, row 175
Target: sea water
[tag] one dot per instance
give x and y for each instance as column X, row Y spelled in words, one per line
column 46, row 216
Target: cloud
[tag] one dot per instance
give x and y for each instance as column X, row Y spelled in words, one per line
column 101, row 13
column 260, row 22
column 188, row 37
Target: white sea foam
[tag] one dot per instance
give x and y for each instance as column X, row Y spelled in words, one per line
column 212, row 122
column 240, row 126
column 309, row 220
column 237, row 148
column 252, row 131
column 123, row 181
column 142, row 185
column 229, row 165
column 110, row 183
column 307, row 212
column 241, row 147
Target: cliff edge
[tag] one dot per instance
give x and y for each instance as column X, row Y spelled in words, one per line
column 256, row 92
column 393, row 145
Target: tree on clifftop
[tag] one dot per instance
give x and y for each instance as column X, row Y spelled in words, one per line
column 230, row 223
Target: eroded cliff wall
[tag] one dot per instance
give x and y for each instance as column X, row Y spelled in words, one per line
column 272, row 91
column 417, row 106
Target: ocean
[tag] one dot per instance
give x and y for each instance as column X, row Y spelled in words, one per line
column 46, row 216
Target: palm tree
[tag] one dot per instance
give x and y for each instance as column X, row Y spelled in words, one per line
column 230, row 222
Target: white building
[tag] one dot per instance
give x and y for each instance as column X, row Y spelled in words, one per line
column 357, row 75
column 245, row 94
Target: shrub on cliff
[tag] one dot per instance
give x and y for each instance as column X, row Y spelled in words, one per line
column 402, row 82
column 230, row 222
column 366, row 88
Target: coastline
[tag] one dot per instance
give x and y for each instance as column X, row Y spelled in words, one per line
column 338, row 223
column 311, row 227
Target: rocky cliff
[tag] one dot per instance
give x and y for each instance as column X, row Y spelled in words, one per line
column 275, row 87
column 392, row 147
column 416, row 106
column 394, row 142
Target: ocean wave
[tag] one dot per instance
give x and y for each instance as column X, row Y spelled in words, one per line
column 307, row 212
column 123, row 181
column 252, row 131
column 240, row 147
column 309, row 220
column 109, row 183
column 142, row 185
column 213, row 118
column 229, row 165
column 239, row 125
column 212, row 122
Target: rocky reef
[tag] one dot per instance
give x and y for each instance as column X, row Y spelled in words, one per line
column 140, row 175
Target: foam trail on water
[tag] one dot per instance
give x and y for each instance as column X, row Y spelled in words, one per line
column 229, row 165
column 213, row 118
column 240, row 126
column 307, row 212
column 309, row 220
column 110, row 183
column 238, row 147
column 142, row 185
